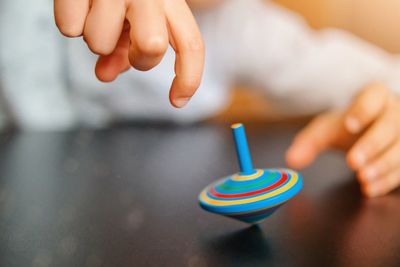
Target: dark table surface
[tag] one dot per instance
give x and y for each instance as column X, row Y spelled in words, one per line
column 128, row 197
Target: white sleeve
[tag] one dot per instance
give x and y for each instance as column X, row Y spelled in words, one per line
column 301, row 70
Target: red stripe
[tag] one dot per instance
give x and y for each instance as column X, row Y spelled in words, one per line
column 280, row 182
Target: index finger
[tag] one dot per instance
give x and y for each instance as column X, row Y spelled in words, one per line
column 189, row 49
column 317, row 136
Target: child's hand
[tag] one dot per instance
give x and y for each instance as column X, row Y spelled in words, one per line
column 370, row 133
column 137, row 33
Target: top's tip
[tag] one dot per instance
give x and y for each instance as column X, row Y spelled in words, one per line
column 236, row 125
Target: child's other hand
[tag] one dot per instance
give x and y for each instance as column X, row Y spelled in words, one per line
column 137, row 33
column 370, row 133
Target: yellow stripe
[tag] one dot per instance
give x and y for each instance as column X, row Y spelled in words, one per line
column 253, row 176
column 215, row 202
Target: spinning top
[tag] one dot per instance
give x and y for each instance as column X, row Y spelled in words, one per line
column 253, row 194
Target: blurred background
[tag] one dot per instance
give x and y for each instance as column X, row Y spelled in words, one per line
column 375, row 21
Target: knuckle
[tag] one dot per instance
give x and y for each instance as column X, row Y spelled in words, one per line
column 154, row 46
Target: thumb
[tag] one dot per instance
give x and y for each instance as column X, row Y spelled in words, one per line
column 317, row 136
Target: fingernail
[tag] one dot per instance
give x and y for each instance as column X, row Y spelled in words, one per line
column 353, row 125
column 181, row 102
column 359, row 158
column 370, row 173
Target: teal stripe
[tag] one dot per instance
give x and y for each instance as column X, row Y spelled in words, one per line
column 268, row 178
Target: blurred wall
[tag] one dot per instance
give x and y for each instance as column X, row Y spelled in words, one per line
column 377, row 21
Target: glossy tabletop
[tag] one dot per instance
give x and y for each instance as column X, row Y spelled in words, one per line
column 128, row 197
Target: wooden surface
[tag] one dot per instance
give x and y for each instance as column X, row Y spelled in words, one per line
column 127, row 197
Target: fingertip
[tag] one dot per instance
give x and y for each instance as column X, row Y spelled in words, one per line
column 370, row 191
column 105, row 76
column 299, row 156
column 104, row 72
column 177, row 101
column 364, row 189
column 350, row 162
column 142, row 62
column 368, row 174
column 108, row 68
column 180, row 102
column 70, row 17
column 70, row 31
column 293, row 161
column 181, row 92
column 356, row 159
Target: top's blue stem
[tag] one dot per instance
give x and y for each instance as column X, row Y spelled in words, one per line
column 242, row 149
